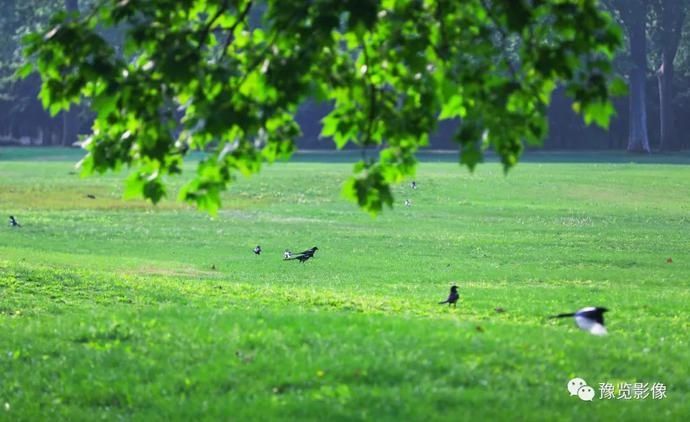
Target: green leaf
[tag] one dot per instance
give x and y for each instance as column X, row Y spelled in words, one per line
column 134, row 186
column 599, row 112
column 26, row 69
column 618, row 87
column 453, row 108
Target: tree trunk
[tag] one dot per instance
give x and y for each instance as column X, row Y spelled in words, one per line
column 668, row 133
column 70, row 119
column 638, row 140
column 672, row 16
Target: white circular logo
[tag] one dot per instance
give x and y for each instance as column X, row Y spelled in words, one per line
column 575, row 384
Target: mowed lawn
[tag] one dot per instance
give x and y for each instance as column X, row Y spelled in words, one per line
column 120, row 310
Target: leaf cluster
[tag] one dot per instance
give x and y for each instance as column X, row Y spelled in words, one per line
column 198, row 75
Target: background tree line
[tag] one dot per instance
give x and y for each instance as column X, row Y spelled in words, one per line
column 655, row 62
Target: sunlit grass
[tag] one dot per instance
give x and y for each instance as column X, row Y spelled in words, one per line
column 115, row 309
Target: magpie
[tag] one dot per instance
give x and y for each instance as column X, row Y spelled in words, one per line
column 413, row 185
column 287, row 254
column 302, row 256
column 257, row 250
column 590, row 319
column 14, row 222
column 408, row 202
column 452, row 297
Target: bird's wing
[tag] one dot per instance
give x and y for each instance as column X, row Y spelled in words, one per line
column 593, row 314
column 562, row 315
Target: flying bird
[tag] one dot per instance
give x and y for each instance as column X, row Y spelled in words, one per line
column 302, row 256
column 590, row 319
column 14, row 222
column 452, row 297
column 257, row 250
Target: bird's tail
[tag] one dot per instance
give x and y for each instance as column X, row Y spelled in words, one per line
column 562, row 315
column 441, row 303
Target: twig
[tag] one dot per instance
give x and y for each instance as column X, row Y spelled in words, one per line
column 231, row 30
column 260, row 57
column 504, row 36
column 442, row 50
column 205, row 31
column 372, row 93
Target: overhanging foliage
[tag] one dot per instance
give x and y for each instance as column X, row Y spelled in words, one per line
column 195, row 75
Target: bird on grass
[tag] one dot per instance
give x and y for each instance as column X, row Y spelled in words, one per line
column 413, row 185
column 452, row 297
column 257, row 250
column 408, row 202
column 14, row 222
column 590, row 319
column 287, row 254
column 90, row 196
column 302, row 256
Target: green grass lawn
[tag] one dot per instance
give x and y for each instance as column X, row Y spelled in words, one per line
column 112, row 309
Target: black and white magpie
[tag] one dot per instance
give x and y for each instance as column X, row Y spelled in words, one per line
column 590, row 319
column 408, row 202
column 287, row 254
column 302, row 256
column 14, row 222
column 452, row 297
column 413, row 185
column 257, row 250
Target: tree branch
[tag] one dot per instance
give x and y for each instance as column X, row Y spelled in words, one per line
column 504, row 37
column 372, row 94
column 207, row 28
column 441, row 50
column 231, row 30
column 271, row 43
